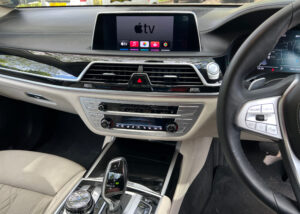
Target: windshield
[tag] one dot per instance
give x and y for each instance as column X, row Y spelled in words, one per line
column 40, row 3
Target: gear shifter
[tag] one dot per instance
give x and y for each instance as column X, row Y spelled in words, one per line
column 114, row 184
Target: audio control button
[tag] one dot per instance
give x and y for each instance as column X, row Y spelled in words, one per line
column 101, row 107
column 172, row 127
column 106, row 123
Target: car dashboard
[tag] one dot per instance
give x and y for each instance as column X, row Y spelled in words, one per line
column 147, row 72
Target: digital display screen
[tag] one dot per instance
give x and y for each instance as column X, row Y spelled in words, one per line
column 145, row 33
column 285, row 57
column 159, row 32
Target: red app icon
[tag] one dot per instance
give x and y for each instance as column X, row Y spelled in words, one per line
column 155, row 44
column 134, row 44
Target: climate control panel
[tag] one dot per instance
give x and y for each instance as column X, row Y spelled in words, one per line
column 140, row 118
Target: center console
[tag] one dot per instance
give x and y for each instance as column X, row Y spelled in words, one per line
column 130, row 176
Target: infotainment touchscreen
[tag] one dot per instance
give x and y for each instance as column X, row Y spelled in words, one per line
column 146, row 32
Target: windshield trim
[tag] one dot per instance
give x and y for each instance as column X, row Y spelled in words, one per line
column 143, row 5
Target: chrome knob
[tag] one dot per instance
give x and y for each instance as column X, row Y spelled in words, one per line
column 79, row 202
column 213, row 71
column 172, row 127
column 106, row 123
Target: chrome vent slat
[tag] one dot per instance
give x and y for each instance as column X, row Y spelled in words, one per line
column 168, row 68
column 177, row 83
column 113, row 74
column 110, row 70
column 105, row 79
column 166, row 78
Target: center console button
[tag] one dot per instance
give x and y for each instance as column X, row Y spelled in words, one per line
column 101, row 107
column 172, row 127
column 79, row 201
column 106, row 123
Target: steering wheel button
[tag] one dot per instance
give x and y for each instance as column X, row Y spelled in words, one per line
column 260, row 117
column 250, row 124
column 254, row 109
column 251, row 117
column 271, row 119
column 267, row 108
column 272, row 129
column 261, row 127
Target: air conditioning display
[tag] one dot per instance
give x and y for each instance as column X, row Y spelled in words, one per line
column 144, row 32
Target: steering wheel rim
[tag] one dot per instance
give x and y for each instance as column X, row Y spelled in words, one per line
column 233, row 96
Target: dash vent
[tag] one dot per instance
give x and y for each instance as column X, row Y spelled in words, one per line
column 162, row 77
column 109, row 73
column 172, row 75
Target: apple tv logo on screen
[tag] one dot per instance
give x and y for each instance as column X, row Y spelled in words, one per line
column 145, row 28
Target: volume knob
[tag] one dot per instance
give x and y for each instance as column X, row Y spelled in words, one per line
column 213, row 71
column 172, row 127
column 106, row 123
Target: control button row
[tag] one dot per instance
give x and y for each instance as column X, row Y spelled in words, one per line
column 262, row 127
column 269, row 118
column 264, row 109
column 139, row 127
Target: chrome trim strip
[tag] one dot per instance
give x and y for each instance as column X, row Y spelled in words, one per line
column 98, row 159
column 40, row 76
column 133, row 93
column 136, row 114
column 133, row 203
column 102, row 208
column 170, row 171
column 293, row 160
column 205, row 83
column 132, row 185
column 149, row 12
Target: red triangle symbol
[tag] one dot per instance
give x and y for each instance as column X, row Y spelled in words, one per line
column 139, row 80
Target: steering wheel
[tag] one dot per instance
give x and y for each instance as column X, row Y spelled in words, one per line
column 273, row 111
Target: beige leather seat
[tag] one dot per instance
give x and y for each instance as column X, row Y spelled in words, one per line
column 35, row 183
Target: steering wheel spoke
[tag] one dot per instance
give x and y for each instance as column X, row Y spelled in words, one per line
column 260, row 116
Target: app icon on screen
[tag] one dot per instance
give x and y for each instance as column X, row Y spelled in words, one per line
column 165, row 44
column 134, row 44
column 124, row 43
column 144, row 44
column 155, row 44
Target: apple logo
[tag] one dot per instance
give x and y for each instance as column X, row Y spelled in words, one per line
column 138, row 28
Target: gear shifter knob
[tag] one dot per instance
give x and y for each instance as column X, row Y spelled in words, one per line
column 114, row 183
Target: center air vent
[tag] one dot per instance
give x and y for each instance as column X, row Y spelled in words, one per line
column 109, row 73
column 172, row 75
column 162, row 77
